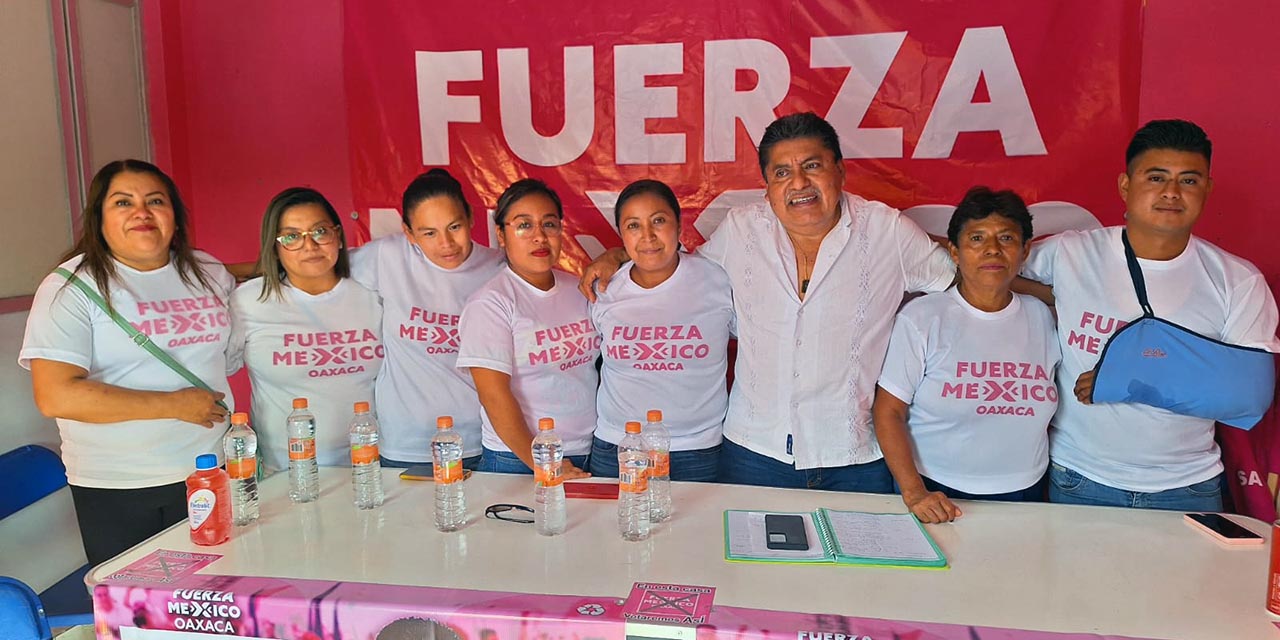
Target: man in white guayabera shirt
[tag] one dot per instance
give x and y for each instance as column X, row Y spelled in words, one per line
column 817, row 275
column 1134, row 455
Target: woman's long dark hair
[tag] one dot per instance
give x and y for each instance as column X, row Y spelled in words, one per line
column 98, row 260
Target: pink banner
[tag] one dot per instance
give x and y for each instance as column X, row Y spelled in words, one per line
column 317, row 610
column 929, row 99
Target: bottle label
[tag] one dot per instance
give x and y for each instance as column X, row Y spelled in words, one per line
column 548, row 475
column 449, row 472
column 302, row 448
column 659, row 464
column 632, row 479
column 200, row 506
column 242, row 468
column 364, row 453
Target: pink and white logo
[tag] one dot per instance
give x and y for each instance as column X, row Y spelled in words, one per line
column 329, row 353
column 1003, row 388
column 567, row 345
column 437, row 331
column 183, row 321
column 1093, row 331
column 657, row 348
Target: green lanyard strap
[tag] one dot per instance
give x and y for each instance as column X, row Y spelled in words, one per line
column 139, row 338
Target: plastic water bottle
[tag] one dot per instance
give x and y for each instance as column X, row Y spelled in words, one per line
column 633, row 485
column 240, row 445
column 549, row 516
column 304, row 476
column 208, row 502
column 446, row 458
column 657, row 441
column 366, row 466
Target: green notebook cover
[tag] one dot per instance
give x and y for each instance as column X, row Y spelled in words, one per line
column 842, row 537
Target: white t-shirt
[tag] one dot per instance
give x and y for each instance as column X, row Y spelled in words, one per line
column 666, row 348
column 980, row 385
column 1134, row 446
column 545, row 341
column 326, row 348
column 806, row 370
column 419, row 380
column 192, row 325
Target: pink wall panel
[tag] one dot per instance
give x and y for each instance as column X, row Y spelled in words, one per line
column 247, row 99
column 1217, row 64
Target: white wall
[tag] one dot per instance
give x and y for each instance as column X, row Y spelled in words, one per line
column 33, row 168
column 22, row 423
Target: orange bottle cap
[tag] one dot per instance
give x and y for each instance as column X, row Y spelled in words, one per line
column 362, row 407
column 654, row 415
column 239, row 418
column 545, row 424
column 633, row 427
column 444, row 422
column 299, row 403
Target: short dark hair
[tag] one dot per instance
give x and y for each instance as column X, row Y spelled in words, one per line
column 651, row 187
column 982, row 202
column 1178, row 135
column 269, row 264
column 434, row 183
column 794, row 126
column 518, row 190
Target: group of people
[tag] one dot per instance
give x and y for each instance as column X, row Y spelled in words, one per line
column 833, row 387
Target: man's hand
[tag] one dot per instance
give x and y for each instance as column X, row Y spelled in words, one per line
column 600, row 270
column 931, row 507
column 1084, row 386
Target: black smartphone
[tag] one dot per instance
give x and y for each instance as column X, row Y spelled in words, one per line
column 1222, row 528
column 785, row 532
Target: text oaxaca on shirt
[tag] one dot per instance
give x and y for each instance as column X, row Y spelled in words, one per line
column 421, row 307
column 326, row 348
column 191, row 324
column 1205, row 289
column 546, row 342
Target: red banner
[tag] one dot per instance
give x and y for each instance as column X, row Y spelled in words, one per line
column 929, row 99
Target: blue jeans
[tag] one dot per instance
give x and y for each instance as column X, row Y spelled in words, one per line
column 507, row 462
column 698, row 465
column 471, row 463
column 1033, row 493
column 738, row 465
column 1069, row 487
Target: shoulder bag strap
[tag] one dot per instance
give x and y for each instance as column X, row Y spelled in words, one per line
column 1135, row 274
column 139, row 338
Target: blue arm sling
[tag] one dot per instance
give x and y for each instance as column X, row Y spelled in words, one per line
column 1155, row 362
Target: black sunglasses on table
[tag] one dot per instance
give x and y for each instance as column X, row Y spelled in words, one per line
column 503, row 512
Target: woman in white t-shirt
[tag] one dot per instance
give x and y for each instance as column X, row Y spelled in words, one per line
column 665, row 321
column 424, row 276
column 528, row 340
column 305, row 329
column 131, row 426
column 963, row 404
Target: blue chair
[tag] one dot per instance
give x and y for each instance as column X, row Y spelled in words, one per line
column 21, row 614
column 30, row 473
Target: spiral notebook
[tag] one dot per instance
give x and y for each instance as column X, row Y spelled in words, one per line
column 837, row 537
